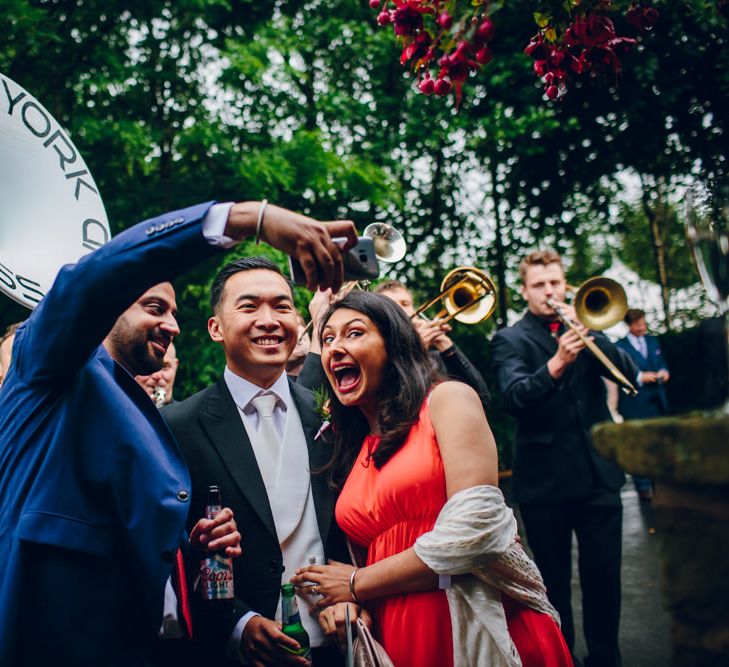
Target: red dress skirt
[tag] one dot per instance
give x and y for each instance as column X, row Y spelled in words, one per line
column 385, row 511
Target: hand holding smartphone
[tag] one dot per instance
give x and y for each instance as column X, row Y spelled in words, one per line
column 360, row 263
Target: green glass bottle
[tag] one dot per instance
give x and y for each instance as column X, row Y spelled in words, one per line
column 291, row 621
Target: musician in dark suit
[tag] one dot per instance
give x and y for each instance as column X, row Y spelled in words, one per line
column 94, row 492
column 650, row 401
column 555, row 390
column 262, row 458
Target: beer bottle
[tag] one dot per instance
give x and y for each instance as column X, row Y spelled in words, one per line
column 291, row 622
column 216, row 568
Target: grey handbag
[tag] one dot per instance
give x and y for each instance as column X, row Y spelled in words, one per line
column 367, row 651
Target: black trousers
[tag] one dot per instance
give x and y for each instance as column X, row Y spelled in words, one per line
column 598, row 528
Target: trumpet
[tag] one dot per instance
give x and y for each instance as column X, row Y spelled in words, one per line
column 599, row 303
column 468, row 296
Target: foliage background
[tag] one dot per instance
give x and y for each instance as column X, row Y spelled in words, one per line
column 305, row 103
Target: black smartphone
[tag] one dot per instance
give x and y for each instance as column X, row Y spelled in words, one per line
column 360, row 263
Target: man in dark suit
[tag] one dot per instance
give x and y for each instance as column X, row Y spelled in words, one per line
column 263, row 459
column 94, row 492
column 650, row 401
column 555, row 390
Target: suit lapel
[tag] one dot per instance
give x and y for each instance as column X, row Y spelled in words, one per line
column 537, row 332
column 222, row 423
column 637, row 357
column 319, row 455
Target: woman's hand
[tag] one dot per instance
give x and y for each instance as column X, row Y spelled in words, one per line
column 333, row 621
column 330, row 583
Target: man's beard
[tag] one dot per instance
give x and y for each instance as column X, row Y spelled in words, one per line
column 133, row 346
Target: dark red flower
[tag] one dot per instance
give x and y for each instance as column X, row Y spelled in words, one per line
column 442, row 87
column 484, row 56
column 593, row 30
column 418, row 48
column 408, row 17
column 427, row 85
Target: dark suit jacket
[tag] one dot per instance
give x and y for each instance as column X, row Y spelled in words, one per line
column 650, row 401
column 94, row 492
column 555, row 460
column 218, row 451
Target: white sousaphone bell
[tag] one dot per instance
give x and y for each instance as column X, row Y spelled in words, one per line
column 51, row 212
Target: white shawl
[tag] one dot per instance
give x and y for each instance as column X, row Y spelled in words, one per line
column 475, row 535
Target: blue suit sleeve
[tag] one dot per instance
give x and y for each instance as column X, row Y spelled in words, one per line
column 86, row 298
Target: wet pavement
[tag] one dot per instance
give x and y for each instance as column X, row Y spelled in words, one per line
column 645, row 639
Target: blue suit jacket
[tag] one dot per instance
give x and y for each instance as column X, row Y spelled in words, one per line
column 650, row 401
column 94, row 492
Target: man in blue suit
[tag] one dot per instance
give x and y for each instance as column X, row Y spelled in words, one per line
column 650, row 401
column 94, row 492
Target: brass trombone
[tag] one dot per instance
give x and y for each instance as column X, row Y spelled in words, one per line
column 468, row 296
column 599, row 303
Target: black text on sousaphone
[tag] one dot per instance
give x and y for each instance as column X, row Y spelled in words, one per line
column 51, row 213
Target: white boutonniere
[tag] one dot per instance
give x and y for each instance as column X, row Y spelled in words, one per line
column 324, row 426
column 323, row 410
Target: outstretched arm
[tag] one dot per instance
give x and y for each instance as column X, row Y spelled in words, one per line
column 87, row 297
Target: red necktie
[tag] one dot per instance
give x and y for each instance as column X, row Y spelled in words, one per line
column 553, row 328
column 180, row 583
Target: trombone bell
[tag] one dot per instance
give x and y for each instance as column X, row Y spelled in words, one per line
column 468, row 296
column 600, row 303
column 389, row 243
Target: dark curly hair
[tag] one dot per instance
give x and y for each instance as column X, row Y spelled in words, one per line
column 408, row 377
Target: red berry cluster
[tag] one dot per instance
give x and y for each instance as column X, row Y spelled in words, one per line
column 442, row 50
column 586, row 43
column 444, row 41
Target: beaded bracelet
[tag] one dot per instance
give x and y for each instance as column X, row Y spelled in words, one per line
column 259, row 223
column 351, row 585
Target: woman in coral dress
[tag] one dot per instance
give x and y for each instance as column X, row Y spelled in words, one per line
column 445, row 578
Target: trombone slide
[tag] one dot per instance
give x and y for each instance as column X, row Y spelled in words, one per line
column 625, row 384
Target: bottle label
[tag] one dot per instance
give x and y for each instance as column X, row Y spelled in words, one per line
column 216, row 577
column 289, row 611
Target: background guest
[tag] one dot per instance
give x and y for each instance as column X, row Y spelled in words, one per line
column 650, row 401
column 160, row 385
column 298, row 356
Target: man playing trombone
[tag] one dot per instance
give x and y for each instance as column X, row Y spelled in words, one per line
column 554, row 388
